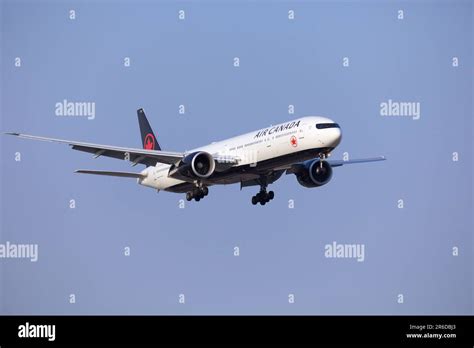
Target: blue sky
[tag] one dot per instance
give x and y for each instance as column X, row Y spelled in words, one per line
column 283, row 62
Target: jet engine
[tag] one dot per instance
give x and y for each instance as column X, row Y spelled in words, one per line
column 314, row 173
column 198, row 164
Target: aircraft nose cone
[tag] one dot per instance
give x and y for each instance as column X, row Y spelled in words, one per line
column 336, row 136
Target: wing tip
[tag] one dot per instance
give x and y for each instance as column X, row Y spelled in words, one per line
column 12, row 133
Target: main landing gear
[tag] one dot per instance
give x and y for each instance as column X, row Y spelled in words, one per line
column 197, row 193
column 263, row 197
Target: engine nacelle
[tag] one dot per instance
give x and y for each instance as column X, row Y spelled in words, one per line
column 314, row 174
column 198, row 164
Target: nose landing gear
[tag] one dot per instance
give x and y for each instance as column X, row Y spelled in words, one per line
column 197, row 193
column 322, row 157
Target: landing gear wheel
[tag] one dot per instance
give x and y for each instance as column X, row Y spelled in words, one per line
column 199, row 196
column 263, row 197
column 197, row 193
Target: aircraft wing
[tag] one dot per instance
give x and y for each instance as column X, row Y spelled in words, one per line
column 147, row 157
column 109, row 173
column 295, row 168
column 142, row 156
column 338, row 163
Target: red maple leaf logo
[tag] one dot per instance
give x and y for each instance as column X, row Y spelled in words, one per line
column 149, row 142
column 293, row 141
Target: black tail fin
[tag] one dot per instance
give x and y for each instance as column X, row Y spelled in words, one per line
column 148, row 138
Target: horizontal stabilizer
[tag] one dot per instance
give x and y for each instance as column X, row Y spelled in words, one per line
column 109, row 173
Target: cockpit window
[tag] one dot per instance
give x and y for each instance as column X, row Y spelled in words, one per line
column 326, row 125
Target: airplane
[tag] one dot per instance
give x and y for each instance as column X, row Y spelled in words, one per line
column 300, row 147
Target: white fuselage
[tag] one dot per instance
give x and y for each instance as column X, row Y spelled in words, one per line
column 257, row 146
